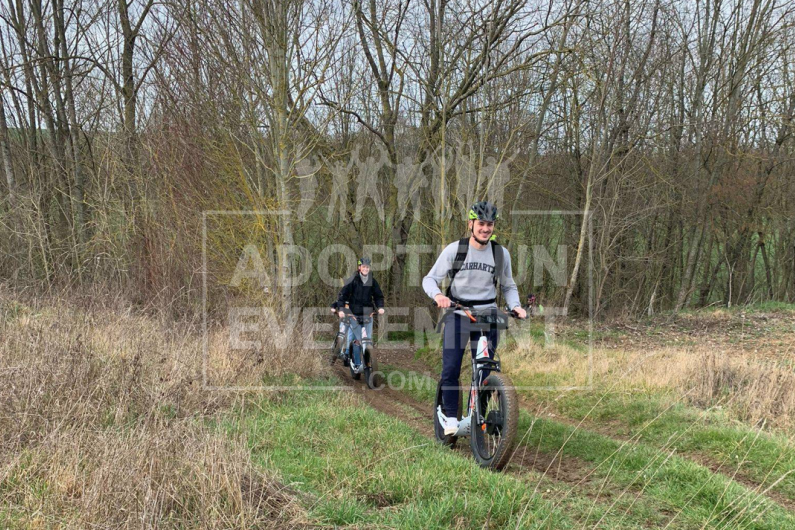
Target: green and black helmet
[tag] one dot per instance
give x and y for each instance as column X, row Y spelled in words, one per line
column 483, row 211
column 364, row 261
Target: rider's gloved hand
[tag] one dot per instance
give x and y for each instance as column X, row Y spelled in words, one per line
column 442, row 301
column 380, row 310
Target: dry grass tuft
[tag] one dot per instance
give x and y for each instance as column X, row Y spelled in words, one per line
column 560, row 364
column 758, row 392
column 752, row 388
column 104, row 423
column 143, row 477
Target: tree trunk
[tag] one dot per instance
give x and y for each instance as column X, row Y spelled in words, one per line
column 709, row 283
column 5, row 151
column 129, row 94
column 581, row 242
column 539, row 126
column 73, row 129
column 62, row 195
column 768, row 274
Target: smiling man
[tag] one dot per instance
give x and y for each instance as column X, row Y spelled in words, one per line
column 474, row 266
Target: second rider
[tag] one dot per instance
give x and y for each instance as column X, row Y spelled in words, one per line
column 361, row 295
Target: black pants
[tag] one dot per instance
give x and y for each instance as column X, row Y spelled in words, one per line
column 458, row 330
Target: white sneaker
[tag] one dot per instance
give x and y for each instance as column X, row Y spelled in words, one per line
column 450, row 425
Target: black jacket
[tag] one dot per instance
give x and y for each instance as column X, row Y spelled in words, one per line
column 361, row 298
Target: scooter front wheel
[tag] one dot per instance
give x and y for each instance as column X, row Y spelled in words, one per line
column 492, row 440
column 372, row 375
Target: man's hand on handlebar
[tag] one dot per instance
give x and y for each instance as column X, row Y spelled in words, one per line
column 519, row 312
column 445, row 303
column 442, row 301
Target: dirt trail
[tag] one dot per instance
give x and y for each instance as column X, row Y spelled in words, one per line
column 419, row 417
column 390, row 402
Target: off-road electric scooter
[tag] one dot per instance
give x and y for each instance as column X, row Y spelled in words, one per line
column 344, row 350
column 492, row 411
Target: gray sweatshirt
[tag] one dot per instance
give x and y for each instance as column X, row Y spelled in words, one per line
column 475, row 280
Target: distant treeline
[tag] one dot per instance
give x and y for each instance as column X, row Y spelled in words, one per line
column 645, row 145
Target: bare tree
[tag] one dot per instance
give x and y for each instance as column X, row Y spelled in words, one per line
column 749, row 30
column 5, row 151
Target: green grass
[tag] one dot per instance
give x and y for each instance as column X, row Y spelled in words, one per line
column 11, row 518
column 770, row 306
column 758, row 307
column 400, row 335
column 535, row 331
column 418, row 386
column 360, row 467
column 660, row 419
column 667, row 481
column 710, row 500
column 21, row 490
column 547, row 380
column 431, row 355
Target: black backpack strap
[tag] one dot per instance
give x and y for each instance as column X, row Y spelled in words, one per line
column 498, row 255
column 458, row 262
